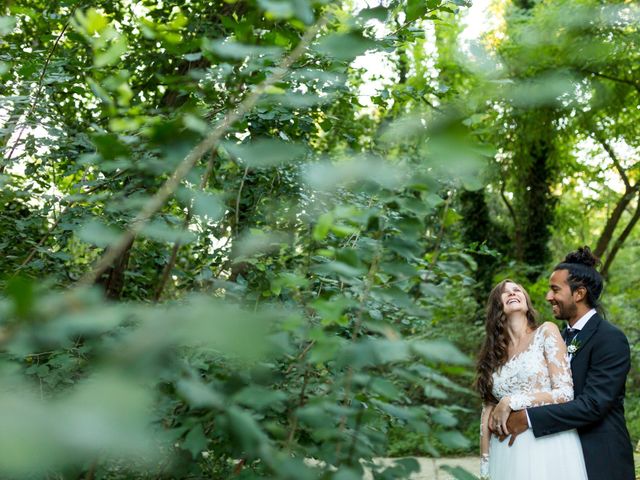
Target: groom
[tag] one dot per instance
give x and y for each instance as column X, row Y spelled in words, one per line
column 600, row 361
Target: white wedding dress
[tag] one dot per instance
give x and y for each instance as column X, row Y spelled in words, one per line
column 539, row 375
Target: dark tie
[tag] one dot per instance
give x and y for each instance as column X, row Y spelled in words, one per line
column 571, row 334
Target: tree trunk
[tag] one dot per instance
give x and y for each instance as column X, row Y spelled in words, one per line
column 534, row 203
column 113, row 279
column 478, row 229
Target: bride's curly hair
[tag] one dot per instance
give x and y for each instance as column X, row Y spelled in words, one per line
column 493, row 354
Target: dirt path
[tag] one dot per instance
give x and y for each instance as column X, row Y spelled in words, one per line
column 431, row 468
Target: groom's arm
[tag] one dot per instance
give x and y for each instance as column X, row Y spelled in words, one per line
column 609, row 364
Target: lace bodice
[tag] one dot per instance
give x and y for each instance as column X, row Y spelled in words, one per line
column 536, row 376
column 539, row 375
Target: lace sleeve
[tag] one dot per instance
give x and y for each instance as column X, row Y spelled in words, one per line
column 485, row 436
column 557, row 365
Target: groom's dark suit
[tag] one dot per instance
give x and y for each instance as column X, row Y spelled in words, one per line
column 599, row 368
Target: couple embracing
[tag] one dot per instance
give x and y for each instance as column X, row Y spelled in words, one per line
column 560, row 394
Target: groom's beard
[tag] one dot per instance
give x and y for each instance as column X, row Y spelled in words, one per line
column 565, row 311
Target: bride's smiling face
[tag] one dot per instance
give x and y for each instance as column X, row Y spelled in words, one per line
column 513, row 298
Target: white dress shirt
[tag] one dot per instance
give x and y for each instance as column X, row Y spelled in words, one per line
column 579, row 325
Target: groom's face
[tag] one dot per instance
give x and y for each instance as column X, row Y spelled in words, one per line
column 560, row 297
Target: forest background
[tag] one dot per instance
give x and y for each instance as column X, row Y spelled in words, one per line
column 241, row 234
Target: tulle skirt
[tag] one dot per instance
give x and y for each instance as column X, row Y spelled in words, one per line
column 552, row 457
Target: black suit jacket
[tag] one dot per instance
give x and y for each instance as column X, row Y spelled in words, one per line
column 599, row 369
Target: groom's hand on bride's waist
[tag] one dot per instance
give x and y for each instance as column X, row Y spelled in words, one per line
column 516, row 424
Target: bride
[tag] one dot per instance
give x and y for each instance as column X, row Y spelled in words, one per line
column 523, row 365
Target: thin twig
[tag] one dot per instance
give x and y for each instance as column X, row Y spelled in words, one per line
column 612, row 78
column 169, row 187
column 301, row 396
column 176, row 246
column 300, row 356
column 436, row 248
column 406, row 24
column 238, row 197
column 357, row 324
column 37, row 96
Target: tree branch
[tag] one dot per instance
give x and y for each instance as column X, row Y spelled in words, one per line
column 614, row 158
column 620, row 240
column 612, row 78
column 169, row 187
column 238, row 197
column 176, row 246
column 612, row 223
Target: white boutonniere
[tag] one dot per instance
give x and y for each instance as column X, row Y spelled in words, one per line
column 573, row 347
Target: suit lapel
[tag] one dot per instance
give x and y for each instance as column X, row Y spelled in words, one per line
column 586, row 333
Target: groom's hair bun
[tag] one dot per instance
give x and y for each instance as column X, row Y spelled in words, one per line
column 581, row 266
column 583, row 256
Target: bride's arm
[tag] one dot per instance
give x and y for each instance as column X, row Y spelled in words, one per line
column 485, row 436
column 557, row 364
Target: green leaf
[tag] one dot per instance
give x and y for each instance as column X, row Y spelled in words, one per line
column 431, row 391
column 330, row 310
column 113, row 54
column 22, row 294
column 451, row 217
column 444, row 417
column 374, row 352
column 195, row 442
column 325, row 349
column 458, row 473
column 294, row 100
column 266, row 152
column 239, row 51
column 347, row 473
column 285, row 9
column 160, row 231
column 322, row 227
column 385, row 388
column 279, row 9
column 92, row 21
column 7, row 24
column 440, row 351
column 375, row 13
column 315, row 416
column 415, row 9
column 345, row 46
column 192, row 57
column 290, row 280
column 338, row 268
column 359, row 169
column 246, row 430
column 98, row 234
column 207, row 205
column 453, row 439
column 260, row 398
column 199, row 394
column 401, row 412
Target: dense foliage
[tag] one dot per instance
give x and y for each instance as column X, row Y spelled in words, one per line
column 230, row 251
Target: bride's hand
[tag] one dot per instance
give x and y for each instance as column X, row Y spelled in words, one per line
column 499, row 417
